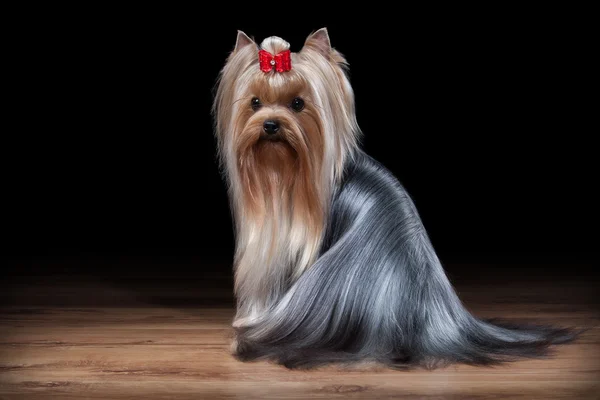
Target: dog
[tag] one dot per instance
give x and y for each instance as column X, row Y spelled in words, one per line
column 332, row 262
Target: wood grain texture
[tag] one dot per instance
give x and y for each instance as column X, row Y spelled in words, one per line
column 82, row 338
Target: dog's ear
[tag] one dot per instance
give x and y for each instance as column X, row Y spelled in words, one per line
column 242, row 41
column 319, row 41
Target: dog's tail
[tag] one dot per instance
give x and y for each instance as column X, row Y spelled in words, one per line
column 395, row 315
column 451, row 334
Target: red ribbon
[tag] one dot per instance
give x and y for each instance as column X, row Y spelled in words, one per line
column 281, row 62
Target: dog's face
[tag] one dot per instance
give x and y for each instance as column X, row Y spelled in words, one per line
column 278, row 121
column 278, row 126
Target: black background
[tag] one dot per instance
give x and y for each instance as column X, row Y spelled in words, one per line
column 482, row 114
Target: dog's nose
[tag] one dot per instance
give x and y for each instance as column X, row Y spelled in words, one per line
column 271, row 127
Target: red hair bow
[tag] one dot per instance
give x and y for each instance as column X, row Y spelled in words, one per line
column 281, row 62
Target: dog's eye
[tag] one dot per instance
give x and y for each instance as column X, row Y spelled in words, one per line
column 255, row 103
column 297, row 104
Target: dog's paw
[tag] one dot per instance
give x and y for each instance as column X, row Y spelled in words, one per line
column 234, row 347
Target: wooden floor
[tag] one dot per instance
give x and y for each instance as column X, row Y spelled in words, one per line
column 90, row 337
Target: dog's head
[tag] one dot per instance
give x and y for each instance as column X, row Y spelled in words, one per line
column 280, row 114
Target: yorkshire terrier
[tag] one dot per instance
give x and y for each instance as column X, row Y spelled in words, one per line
column 332, row 262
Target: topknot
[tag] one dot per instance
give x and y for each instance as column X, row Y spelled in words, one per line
column 274, row 45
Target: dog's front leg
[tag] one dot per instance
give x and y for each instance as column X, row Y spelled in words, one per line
column 248, row 311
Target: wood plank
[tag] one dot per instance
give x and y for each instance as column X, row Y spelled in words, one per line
column 153, row 350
